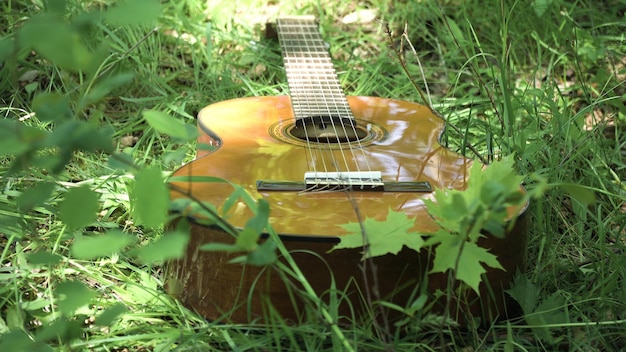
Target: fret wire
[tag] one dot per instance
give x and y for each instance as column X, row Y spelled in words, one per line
column 286, row 34
column 313, row 83
column 308, row 64
column 306, row 38
column 321, row 61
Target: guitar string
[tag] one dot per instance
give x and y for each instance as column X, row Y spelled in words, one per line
column 308, row 31
column 333, row 89
column 312, row 45
column 302, row 85
column 326, row 67
column 353, row 125
column 282, row 31
column 303, row 65
column 338, row 99
column 321, row 59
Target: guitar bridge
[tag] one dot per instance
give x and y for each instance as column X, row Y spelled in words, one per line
column 320, row 181
column 343, row 181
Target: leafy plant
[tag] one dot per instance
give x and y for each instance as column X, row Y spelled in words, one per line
column 45, row 144
column 463, row 217
column 381, row 237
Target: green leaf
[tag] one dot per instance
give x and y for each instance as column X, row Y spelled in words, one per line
column 453, row 207
column 166, row 124
column 6, row 48
column 580, row 193
column 525, row 293
column 175, row 157
column 142, row 291
column 3, row 327
column 79, row 207
column 150, row 198
column 17, row 138
column 174, row 286
column 43, row 258
column 72, row 295
column 492, row 192
column 171, row 245
column 56, row 6
column 541, row 6
column 101, row 245
column 121, row 161
column 550, row 311
column 233, row 199
column 15, row 316
column 134, row 12
column 219, row 247
column 494, row 227
column 455, row 30
column 259, row 221
column 265, row 254
column 81, row 135
column 501, row 171
column 104, row 87
column 418, row 304
column 19, row 340
column 72, row 135
column 110, row 314
column 52, row 107
column 36, row 305
column 383, row 237
column 470, row 257
column 247, row 240
column 35, row 196
column 56, row 41
column 62, row 330
column 31, row 87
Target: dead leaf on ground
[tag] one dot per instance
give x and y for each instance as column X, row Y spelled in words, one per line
column 360, row 16
column 128, row 141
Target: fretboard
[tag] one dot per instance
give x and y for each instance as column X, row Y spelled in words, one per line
column 314, row 87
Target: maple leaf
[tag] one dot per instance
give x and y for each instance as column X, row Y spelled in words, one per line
column 470, row 268
column 388, row 236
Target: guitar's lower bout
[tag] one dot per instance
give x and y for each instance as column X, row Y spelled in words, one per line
column 254, row 141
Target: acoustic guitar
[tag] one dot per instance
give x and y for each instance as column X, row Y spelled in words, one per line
column 313, row 156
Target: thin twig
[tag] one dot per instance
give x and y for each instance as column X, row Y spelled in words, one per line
column 405, row 36
column 426, row 100
column 481, row 83
column 127, row 52
column 121, row 57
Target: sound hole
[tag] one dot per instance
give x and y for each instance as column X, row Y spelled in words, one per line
column 328, row 129
column 359, row 132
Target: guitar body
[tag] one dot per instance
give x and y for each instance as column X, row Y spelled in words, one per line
column 251, row 145
column 252, row 140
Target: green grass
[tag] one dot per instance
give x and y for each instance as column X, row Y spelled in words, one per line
column 513, row 79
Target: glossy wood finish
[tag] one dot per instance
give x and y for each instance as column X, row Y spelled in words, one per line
column 246, row 152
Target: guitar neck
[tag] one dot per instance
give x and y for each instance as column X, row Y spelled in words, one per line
column 314, row 87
